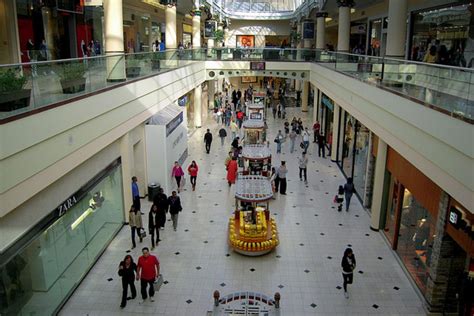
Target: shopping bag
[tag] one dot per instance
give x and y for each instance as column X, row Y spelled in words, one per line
column 142, row 233
column 158, row 282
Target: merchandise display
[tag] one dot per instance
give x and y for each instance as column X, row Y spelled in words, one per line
column 257, row 160
column 251, row 230
column 254, row 132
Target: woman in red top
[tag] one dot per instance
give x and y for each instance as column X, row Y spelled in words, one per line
column 193, row 172
column 232, row 171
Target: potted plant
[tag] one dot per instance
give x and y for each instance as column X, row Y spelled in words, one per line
column 295, row 37
column 219, row 38
column 12, row 94
column 72, row 77
column 133, row 68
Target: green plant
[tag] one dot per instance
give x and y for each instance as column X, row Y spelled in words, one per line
column 295, row 37
column 219, row 35
column 72, row 71
column 10, row 81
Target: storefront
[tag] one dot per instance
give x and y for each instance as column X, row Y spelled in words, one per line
column 450, row 28
column 327, row 116
column 42, row 269
column 377, row 40
column 51, row 30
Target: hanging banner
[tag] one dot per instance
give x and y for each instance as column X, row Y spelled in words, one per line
column 308, row 30
column 209, row 29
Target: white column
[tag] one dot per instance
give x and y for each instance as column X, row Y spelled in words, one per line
column 315, row 104
column 197, row 106
column 304, row 96
column 211, row 91
column 379, row 179
column 197, row 30
column 335, row 132
column 397, row 28
column 344, row 29
column 170, row 31
column 126, row 154
column 298, row 52
column 113, row 30
column 321, row 30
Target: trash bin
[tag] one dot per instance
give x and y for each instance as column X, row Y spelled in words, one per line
column 153, row 189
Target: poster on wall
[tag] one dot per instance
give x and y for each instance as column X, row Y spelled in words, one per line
column 245, row 41
column 308, row 30
column 249, row 79
column 209, row 29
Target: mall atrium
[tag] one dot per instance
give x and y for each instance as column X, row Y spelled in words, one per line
column 318, row 154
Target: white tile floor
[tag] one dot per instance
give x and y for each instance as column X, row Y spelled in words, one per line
column 313, row 236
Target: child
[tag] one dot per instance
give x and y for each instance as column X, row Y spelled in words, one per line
column 339, row 198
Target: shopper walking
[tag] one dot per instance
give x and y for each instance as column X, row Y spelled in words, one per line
column 348, row 191
column 292, row 137
column 279, row 140
column 273, row 178
column 222, row 135
column 136, row 225
column 232, row 171
column 135, row 193
column 321, row 142
column 161, row 201
column 127, row 269
column 234, row 129
column 208, row 140
column 303, row 163
column 306, row 140
column 316, row 131
column 177, row 172
column 154, row 226
column 348, row 265
column 281, row 176
column 175, row 207
column 148, row 270
column 193, row 172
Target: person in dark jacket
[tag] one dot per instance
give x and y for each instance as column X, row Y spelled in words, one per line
column 154, row 226
column 174, row 207
column 222, row 135
column 235, row 143
column 348, row 191
column 348, row 265
column 161, row 201
column 208, row 140
column 127, row 270
column 321, row 142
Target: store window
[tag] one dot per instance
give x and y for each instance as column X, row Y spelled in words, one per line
column 348, row 144
column 450, row 29
column 391, row 209
column 40, row 276
column 361, row 156
column 415, row 241
column 328, row 117
column 377, row 37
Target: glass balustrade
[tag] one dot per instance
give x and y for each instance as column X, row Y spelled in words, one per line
column 30, row 87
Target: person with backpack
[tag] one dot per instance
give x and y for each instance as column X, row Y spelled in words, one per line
column 348, row 191
column 348, row 265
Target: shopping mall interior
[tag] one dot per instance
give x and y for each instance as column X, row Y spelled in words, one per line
column 320, row 153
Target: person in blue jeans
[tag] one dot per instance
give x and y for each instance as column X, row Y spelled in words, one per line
column 279, row 141
column 348, row 191
column 135, row 193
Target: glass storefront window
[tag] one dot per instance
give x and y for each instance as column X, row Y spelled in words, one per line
column 390, row 220
column 361, row 155
column 39, row 277
column 348, row 144
column 450, row 29
column 415, row 241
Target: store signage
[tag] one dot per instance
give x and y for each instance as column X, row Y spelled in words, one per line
column 308, row 30
column 66, row 205
column 210, row 28
column 257, row 65
column 171, row 126
column 93, row 3
column 454, row 216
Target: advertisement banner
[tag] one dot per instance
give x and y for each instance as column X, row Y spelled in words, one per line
column 308, row 30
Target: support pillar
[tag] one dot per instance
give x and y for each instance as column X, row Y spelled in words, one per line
column 113, row 31
column 315, row 105
column 198, row 106
column 397, row 28
column 379, row 180
column 344, row 29
column 211, row 91
column 170, row 31
column 369, row 175
column 126, row 155
column 197, row 29
column 335, row 132
column 321, row 30
column 304, row 97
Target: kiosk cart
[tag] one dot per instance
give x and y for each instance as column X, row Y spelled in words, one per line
column 255, row 111
column 254, row 132
column 257, row 160
column 251, row 230
column 259, row 98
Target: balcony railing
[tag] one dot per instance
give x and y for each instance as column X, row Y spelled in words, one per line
column 32, row 87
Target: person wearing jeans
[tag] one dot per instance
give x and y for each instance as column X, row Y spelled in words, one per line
column 175, row 207
column 148, row 270
column 193, row 172
column 348, row 191
column 348, row 265
column 303, row 162
column 127, row 269
column 135, row 222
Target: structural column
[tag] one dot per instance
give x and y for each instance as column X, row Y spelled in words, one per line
column 197, row 29
column 211, row 92
column 298, row 56
column 304, row 96
column 321, row 29
column 126, row 155
column 113, row 32
column 379, row 180
column 198, row 106
column 344, row 28
column 397, row 28
column 335, row 132
column 170, row 31
column 316, row 104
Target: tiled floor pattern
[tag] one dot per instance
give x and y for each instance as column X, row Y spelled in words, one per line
column 305, row 268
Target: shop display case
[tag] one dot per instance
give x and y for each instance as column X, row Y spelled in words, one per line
column 252, row 231
column 254, row 132
column 257, row 160
column 255, row 111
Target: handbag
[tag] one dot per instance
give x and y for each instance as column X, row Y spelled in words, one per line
column 302, row 145
column 142, row 233
column 158, row 282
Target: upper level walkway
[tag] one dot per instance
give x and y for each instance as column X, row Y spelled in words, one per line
column 29, row 88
